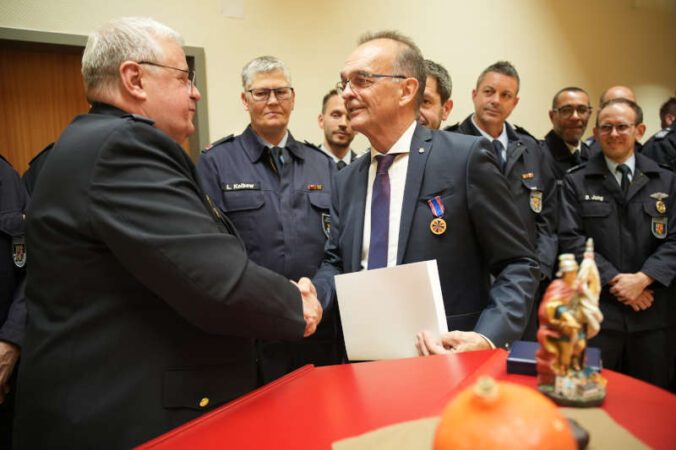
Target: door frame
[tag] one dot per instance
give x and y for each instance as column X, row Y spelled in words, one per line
column 18, row 38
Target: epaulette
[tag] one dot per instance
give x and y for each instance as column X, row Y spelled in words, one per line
column 452, row 127
column 229, row 137
column 664, row 132
column 521, row 130
column 140, row 118
column 316, row 147
column 46, row 149
column 310, row 144
column 576, row 168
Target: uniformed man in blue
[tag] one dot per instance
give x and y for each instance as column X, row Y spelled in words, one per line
column 662, row 146
column 13, row 204
column 523, row 162
column 625, row 202
column 570, row 113
column 277, row 192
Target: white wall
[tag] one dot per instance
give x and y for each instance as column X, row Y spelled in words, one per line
column 589, row 43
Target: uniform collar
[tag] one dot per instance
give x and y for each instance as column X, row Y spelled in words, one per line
column 255, row 148
column 504, row 137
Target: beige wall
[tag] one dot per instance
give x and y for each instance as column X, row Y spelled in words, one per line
column 589, row 43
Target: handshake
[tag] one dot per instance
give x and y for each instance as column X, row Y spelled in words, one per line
column 312, row 309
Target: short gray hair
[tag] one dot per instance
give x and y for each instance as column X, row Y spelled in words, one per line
column 408, row 62
column 120, row 40
column 444, row 84
column 263, row 64
column 502, row 67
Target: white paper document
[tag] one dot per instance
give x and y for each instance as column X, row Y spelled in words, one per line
column 381, row 310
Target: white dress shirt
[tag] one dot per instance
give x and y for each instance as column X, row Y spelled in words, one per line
column 397, row 173
column 504, row 140
column 346, row 159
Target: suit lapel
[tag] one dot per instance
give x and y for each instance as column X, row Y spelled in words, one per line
column 421, row 146
column 514, row 151
column 358, row 206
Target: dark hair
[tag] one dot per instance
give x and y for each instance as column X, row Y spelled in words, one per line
column 568, row 89
column 409, row 61
column 444, row 84
column 326, row 98
column 669, row 107
column 503, row 67
column 633, row 105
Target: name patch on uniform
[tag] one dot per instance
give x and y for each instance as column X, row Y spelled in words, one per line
column 19, row 252
column 594, row 198
column 241, row 186
column 659, row 227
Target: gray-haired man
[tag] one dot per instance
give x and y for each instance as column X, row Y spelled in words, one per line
column 143, row 304
column 276, row 190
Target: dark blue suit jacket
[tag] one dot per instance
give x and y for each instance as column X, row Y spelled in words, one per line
column 484, row 236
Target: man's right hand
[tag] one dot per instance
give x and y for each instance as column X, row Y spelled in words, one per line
column 312, row 309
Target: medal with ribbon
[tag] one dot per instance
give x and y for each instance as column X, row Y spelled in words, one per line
column 438, row 224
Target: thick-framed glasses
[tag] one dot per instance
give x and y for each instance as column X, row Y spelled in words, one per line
column 621, row 128
column 362, row 80
column 568, row 110
column 189, row 72
column 263, row 94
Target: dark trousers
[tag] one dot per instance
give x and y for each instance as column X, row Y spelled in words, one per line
column 647, row 355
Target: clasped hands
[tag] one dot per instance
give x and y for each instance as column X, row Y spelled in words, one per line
column 451, row 342
column 630, row 289
column 312, row 309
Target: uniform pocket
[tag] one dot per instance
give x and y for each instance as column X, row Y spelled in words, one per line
column 595, row 209
column 242, row 200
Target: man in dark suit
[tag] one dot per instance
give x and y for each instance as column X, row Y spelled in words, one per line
column 142, row 304
column 381, row 217
column 338, row 133
column 625, row 202
column 570, row 114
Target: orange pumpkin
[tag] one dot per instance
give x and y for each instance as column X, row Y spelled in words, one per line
column 499, row 415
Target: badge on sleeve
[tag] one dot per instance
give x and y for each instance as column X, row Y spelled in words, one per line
column 536, row 201
column 326, row 224
column 19, row 252
column 659, row 227
column 438, row 224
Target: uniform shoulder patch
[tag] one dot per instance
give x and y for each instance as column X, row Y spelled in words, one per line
column 229, row 137
column 139, row 118
column 452, row 127
column 664, row 132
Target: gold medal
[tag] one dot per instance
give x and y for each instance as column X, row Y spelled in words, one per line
column 661, row 207
column 438, row 226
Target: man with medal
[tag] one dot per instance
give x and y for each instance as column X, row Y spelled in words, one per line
column 624, row 201
column 424, row 194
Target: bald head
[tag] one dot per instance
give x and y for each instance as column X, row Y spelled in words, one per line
column 617, row 92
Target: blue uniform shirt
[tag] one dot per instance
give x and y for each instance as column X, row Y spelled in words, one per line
column 283, row 220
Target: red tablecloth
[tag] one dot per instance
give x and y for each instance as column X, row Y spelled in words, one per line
column 315, row 406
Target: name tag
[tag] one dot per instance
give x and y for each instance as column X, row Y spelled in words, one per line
column 594, row 198
column 241, row 186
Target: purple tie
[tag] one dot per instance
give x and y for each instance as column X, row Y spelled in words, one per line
column 380, row 213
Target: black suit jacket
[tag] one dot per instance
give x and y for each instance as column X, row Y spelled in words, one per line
column 485, row 234
column 142, row 304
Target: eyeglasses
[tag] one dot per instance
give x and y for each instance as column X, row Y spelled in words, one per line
column 621, row 128
column 263, row 94
column 189, row 72
column 362, row 80
column 568, row 110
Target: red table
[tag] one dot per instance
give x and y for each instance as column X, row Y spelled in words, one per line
column 315, row 406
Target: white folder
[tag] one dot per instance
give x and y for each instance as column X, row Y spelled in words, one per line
column 381, row 310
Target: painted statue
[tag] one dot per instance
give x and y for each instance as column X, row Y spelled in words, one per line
column 569, row 316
